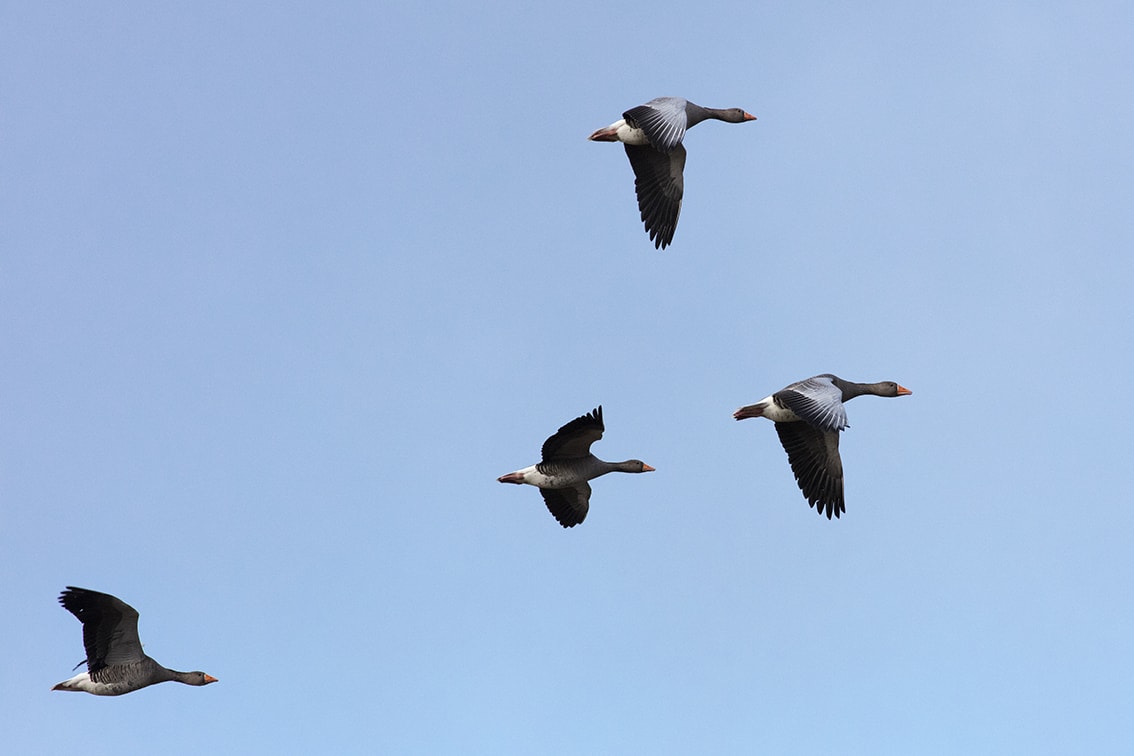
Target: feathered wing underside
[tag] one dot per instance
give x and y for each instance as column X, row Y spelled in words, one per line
column 568, row 505
column 110, row 628
column 816, row 401
column 659, row 184
column 575, row 438
column 663, row 120
column 814, row 458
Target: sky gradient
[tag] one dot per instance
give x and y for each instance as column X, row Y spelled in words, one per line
column 285, row 287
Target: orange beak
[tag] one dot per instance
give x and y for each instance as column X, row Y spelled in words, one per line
column 209, row 679
column 749, row 117
column 903, row 391
column 647, row 468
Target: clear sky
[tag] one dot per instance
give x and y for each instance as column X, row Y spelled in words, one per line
column 285, row 287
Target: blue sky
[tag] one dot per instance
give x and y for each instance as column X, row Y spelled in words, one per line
column 285, row 287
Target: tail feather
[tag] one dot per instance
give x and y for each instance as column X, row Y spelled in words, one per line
column 752, row 410
column 76, row 683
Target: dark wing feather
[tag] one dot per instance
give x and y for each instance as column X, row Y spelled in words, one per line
column 568, row 505
column 815, row 461
column 110, row 627
column 660, row 185
column 575, row 438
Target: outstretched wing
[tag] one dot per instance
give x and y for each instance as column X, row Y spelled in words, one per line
column 575, row 438
column 659, row 183
column 817, row 401
column 814, row 458
column 568, row 505
column 110, row 627
column 662, row 119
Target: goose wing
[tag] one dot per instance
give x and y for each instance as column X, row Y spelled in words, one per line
column 568, row 505
column 662, row 119
column 814, row 457
column 659, row 183
column 574, row 439
column 817, row 401
column 110, row 627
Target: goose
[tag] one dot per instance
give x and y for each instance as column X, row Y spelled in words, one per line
column 115, row 661
column 809, row 415
column 652, row 135
column 566, row 467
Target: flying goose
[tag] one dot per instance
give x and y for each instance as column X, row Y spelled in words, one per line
column 566, row 467
column 652, row 135
column 115, row 661
column 809, row 415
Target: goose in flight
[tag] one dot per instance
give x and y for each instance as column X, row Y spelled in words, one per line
column 566, row 466
column 809, row 415
column 652, row 135
column 115, row 661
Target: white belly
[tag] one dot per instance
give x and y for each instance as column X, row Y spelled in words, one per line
column 629, row 135
column 778, row 414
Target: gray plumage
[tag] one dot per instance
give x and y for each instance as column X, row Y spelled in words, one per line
column 809, row 415
column 659, row 166
column 116, row 663
column 567, row 464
